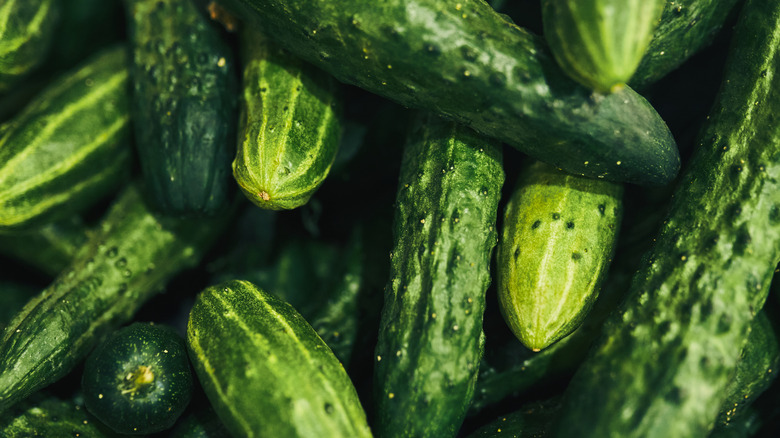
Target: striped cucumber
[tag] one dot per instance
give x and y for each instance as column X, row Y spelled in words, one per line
column 290, row 126
column 599, row 43
column 465, row 61
column 558, row 236
column 275, row 377
column 27, row 30
column 184, row 105
column 50, row 248
column 128, row 260
column 430, row 338
column 68, row 147
column 666, row 358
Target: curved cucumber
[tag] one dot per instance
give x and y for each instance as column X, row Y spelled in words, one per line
column 430, row 338
column 68, row 147
column 599, row 43
column 184, row 105
column 666, row 358
column 275, row 377
column 463, row 60
column 27, row 30
column 128, row 260
column 290, row 126
column 558, row 236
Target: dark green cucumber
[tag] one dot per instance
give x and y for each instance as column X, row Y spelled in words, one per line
column 138, row 380
column 532, row 420
column 290, row 126
column 129, row 259
column 68, row 147
column 275, row 377
column 665, row 359
column 184, row 105
column 686, row 27
column 430, row 338
column 599, row 43
column 49, row 417
column 559, row 233
column 50, row 248
column 27, row 29
column 463, row 60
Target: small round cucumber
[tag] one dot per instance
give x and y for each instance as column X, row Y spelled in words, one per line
column 138, row 381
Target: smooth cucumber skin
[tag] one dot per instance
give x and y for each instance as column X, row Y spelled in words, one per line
column 463, row 60
column 128, row 259
column 27, row 30
column 50, row 417
column 559, row 233
column 666, row 357
column 184, row 105
column 138, row 380
column 275, row 377
column 289, row 129
column 50, row 248
column 430, row 338
column 68, row 147
column 599, row 43
column 686, row 27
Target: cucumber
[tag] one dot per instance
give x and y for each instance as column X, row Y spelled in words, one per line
column 666, row 358
column 184, row 105
column 558, row 237
column 131, row 256
column 430, row 338
column 68, row 147
column 27, row 29
column 275, row 377
column 686, row 27
column 463, row 60
column 49, row 416
column 138, row 380
column 290, row 126
column 50, row 248
column 532, row 420
column 599, row 43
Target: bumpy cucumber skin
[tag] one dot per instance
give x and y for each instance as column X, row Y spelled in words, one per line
column 665, row 359
column 599, row 43
column 153, row 407
column 463, row 60
column 430, row 338
column 289, row 128
column 128, row 260
column 686, row 27
column 275, row 377
column 50, row 248
column 27, row 30
column 184, row 105
column 558, row 236
column 48, row 416
column 68, row 147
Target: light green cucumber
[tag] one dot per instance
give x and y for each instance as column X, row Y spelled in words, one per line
column 558, row 236
column 68, row 147
column 290, row 126
column 599, row 43
column 275, row 377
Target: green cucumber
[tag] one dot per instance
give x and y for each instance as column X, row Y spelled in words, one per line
column 465, row 61
column 686, row 27
column 27, row 29
column 275, row 377
column 599, row 43
column 138, row 380
column 665, row 359
column 558, row 237
column 49, row 416
column 532, row 420
column 131, row 256
column 290, row 126
column 69, row 146
column 50, row 248
column 430, row 338
column 184, row 105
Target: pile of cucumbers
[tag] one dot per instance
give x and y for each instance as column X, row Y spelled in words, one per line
column 402, row 218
